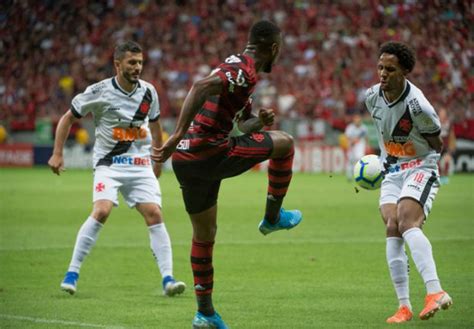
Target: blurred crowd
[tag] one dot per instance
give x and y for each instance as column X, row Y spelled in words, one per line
column 53, row 49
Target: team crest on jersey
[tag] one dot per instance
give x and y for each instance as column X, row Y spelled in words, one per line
column 258, row 137
column 144, row 107
column 405, row 125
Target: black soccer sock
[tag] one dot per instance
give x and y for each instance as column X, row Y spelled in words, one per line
column 272, row 209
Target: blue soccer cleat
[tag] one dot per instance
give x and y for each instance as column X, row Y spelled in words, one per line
column 171, row 287
column 70, row 282
column 215, row 321
column 288, row 220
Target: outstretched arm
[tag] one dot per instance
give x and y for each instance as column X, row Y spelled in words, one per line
column 200, row 91
column 56, row 162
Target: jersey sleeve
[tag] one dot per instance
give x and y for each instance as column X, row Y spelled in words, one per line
column 424, row 117
column 84, row 103
column 370, row 99
column 154, row 113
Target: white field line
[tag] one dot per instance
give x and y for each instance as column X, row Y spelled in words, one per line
column 60, row 322
column 264, row 241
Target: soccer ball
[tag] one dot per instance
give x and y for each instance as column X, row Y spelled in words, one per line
column 368, row 172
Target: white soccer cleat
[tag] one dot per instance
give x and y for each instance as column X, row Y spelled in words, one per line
column 171, row 287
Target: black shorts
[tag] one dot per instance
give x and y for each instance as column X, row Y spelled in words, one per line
column 200, row 179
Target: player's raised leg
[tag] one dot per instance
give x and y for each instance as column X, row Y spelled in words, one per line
column 279, row 178
column 160, row 245
column 204, row 233
column 397, row 261
column 411, row 217
column 85, row 240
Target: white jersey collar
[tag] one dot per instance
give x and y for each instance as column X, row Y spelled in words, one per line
column 117, row 86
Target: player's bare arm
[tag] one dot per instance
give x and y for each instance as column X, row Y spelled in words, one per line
column 200, row 91
column 266, row 118
column 56, row 162
column 156, row 142
column 435, row 142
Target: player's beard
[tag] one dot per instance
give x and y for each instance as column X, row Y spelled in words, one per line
column 130, row 77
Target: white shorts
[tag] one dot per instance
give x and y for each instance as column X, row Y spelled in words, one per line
column 136, row 186
column 416, row 179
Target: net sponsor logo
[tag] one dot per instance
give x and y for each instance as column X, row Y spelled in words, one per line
column 405, row 165
column 130, row 161
column 128, row 134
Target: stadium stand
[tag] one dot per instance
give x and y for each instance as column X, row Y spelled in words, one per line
column 53, row 49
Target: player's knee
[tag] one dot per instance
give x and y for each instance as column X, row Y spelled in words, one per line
column 100, row 214
column 283, row 144
column 409, row 217
column 407, row 224
column 288, row 140
column 206, row 233
column 153, row 216
column 392, row 227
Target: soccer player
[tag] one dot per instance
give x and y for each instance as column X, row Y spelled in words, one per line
column 205, row 154
column 409, row 137
column 356, row 133
column 126, row 114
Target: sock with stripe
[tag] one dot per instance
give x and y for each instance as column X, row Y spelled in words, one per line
column 422, row 255
column 203, row 272
column 279, row 178
column 160, row 245
column 85, row 240
column 397, row 261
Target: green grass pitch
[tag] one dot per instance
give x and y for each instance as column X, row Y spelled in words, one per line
column 330, row 272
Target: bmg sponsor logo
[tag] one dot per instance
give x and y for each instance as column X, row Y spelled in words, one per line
column 130, row 161
column 400, row 149
column 128, row 134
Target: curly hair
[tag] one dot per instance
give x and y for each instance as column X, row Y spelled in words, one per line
column 122, row 48
column 404, row 53
column 264, row 33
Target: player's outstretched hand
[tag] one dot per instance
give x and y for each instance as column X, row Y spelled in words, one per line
column 161, row 154
column 56, row 163
column 266, row 116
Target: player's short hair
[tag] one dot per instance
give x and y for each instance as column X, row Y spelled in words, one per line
column 123, row 47
column 264, row 33
column 404, row 53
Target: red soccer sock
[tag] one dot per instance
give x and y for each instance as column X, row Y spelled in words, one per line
column 203, row 272
column 279, row 178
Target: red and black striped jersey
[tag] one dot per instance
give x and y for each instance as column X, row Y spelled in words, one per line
column 209, row 131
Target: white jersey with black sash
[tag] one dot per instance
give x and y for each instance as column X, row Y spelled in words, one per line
column 403, row 123
column 121, row 119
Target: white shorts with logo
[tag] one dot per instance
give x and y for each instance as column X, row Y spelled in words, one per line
column 416, row 179
column 136, row 186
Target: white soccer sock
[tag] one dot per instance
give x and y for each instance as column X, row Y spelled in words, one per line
column 161, row 247
column 422, row 255
column 86, row 238
column 397, row 261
